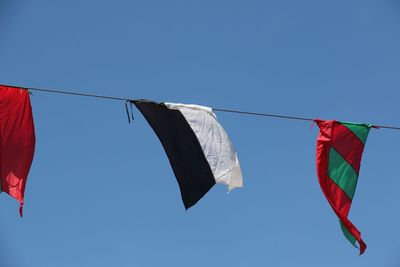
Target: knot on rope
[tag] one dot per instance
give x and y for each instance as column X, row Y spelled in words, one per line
column 129, row 113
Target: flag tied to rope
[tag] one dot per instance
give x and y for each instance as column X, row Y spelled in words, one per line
column 17, row 141
column 339, row 150
column 198, row 148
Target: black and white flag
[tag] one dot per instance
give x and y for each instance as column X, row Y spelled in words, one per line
column 198, row 148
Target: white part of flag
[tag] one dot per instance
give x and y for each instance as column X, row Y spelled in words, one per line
column 215, row 143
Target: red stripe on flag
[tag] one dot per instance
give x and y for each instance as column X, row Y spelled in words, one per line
column 339, row 201
column 347, row 144
column 337, row 198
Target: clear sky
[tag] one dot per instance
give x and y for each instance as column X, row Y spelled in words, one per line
column 101, row 191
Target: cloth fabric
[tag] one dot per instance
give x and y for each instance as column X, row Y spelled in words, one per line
column 198, row 149
column 339, row 151
column 17, row 141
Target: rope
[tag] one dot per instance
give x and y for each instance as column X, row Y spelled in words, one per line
column 242, row 112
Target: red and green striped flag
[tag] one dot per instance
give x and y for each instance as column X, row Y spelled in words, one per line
column 339, row 150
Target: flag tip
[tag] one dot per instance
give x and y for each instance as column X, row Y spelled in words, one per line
column 21, row 209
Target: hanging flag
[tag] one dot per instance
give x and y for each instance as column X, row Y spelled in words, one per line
column 199, row 150
column 339, row 150
column 17, row 140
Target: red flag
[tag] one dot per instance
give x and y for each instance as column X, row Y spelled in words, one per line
column 17, row 141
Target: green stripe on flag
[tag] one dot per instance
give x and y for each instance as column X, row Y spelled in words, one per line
column 360, row 130
column 341, row 172
column 348, row 235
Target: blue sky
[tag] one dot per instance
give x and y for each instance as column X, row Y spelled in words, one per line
column 101, row 191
